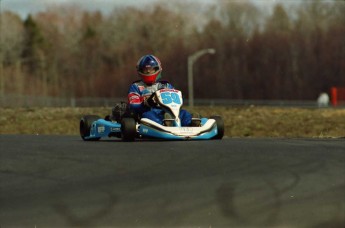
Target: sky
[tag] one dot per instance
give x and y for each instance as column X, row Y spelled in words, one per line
column 25, row 7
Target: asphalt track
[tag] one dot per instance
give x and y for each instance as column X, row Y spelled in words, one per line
column 61, row 181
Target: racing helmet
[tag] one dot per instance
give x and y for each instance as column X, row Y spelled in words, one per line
column 149, row 69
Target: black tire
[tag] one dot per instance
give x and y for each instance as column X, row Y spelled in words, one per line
column 128, row 129
column 220, row 126
column 85, row 126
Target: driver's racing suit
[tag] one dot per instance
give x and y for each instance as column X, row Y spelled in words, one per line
column 139, row 92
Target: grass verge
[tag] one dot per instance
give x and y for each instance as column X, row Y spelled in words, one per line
column 249, row 121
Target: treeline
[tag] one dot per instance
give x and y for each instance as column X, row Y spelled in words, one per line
column 292, row 52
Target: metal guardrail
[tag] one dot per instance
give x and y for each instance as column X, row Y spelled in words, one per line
column 16, row 101
column 282, row 103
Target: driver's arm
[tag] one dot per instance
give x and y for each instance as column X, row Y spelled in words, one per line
column 135, row 100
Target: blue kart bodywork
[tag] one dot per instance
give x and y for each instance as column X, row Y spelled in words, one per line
column 101, row 128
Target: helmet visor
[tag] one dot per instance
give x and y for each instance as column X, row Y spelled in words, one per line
column 148, row 70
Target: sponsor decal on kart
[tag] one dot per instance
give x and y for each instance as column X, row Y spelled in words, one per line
column 115, row 129
column 100, row 129
column 184, row 130
column 169, row 90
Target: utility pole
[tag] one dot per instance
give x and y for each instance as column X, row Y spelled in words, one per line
column 191, row 59
column 2, row 78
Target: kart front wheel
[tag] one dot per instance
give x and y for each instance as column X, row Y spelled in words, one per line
column 85, row 127
column 128, row 129
column 220, row 127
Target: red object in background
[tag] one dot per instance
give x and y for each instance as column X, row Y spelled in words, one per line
column 334, row 96
column 337, row 95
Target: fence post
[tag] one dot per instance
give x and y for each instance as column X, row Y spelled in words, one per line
column 73, row 103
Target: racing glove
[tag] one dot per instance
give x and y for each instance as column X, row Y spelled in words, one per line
column 150, row 101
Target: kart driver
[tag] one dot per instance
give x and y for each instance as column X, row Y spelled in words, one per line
column 149, row 69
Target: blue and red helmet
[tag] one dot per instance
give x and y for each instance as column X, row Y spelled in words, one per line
column 149, row 69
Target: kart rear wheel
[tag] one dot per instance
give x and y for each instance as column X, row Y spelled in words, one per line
column 85, row 127
column 128, row 129
column 220, row 126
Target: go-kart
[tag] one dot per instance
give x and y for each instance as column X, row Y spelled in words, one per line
column 129, row 128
